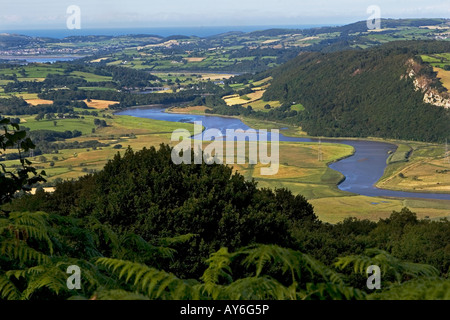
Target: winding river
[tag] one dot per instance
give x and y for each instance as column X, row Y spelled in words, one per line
column 361, row 170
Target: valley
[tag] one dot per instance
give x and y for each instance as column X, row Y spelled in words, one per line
column 209, row 76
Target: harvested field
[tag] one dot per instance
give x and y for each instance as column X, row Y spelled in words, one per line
column 99, row 104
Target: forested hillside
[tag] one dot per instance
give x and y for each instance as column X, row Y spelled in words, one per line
column 363, row 93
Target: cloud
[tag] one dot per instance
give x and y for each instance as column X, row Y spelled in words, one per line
column 12, row 18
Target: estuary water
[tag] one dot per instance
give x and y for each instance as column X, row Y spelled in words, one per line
column 361, row 170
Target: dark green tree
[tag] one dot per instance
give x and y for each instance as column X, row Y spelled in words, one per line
column 23, row 178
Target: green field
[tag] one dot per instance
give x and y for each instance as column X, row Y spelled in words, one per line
column 84, row 125
column 259, row 105
column 124, row 130
column 417, row 167
column 90, row 77
column 298, row 107
column 302, row 172
column 400, row 155
column 335, row 209
column 437, row 60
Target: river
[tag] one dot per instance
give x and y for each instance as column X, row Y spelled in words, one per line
column 361, row 170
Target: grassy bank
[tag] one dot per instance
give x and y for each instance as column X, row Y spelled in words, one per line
column 417, row 167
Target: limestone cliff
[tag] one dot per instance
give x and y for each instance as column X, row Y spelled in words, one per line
column 424, row 83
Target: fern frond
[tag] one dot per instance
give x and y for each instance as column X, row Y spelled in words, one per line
column 416, row 289
column 360, row 263
column 154, row 283
column 117, row 294
column 8, row 290
column 52, row 281
column 138, row 245
column 30, row 218
column 30, row 225
column 18, row 250
column 54, row 277
column 290, row 260
column 318, row 268
column 107, row 233
column 256, row 288
column 333, row 291
column 90, row 274
column 170, row 241
column 23, row 273
column 218, row 266
column 387, row 263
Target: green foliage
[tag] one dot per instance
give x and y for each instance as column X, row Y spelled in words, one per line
column 53, row 277
column 388, row 264
column 11, row 182
column 400, row 155
column 145, row 193
column 154, row 283
column 333, row 291
column 37, row 248
column 19, row 228
column 44, row 274
column 292, row 261
column 8, row 291
column 218, row 283
column 218, row 271
column 417, row 289
column 254, row 272
column 116, row 294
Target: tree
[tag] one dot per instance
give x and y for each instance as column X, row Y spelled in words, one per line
column 11, row 182
column 138, row 191
column 100, row 123
column 76, row 133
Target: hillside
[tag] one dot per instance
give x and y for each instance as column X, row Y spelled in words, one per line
column 381, row 92
column 231, row 52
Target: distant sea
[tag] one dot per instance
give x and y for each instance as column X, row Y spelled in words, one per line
column 163, row 32
column 39, row 59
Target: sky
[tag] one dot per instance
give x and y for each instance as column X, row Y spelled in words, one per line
column 52, row 14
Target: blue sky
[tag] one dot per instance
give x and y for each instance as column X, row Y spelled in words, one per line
column 46, row 14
